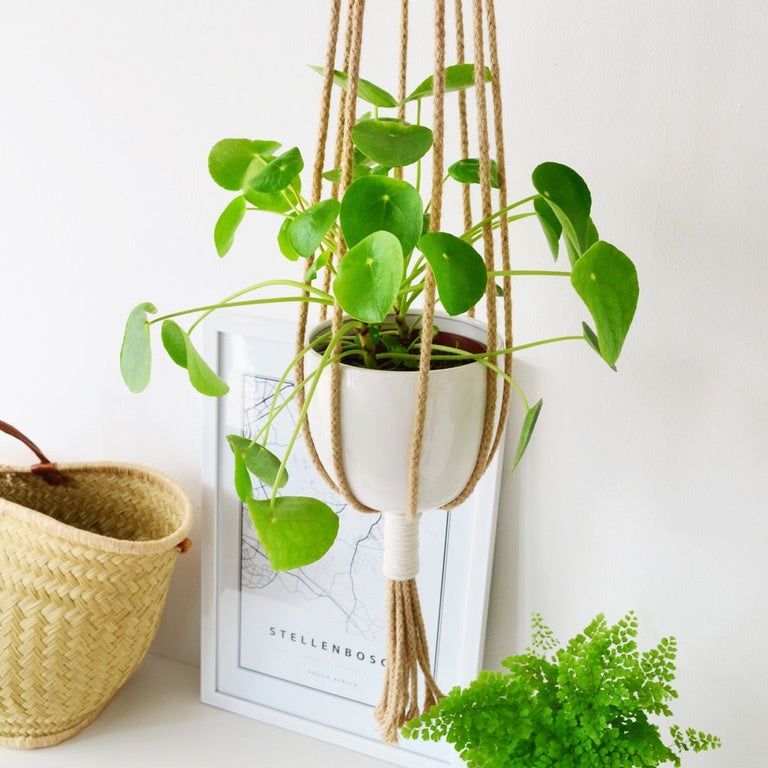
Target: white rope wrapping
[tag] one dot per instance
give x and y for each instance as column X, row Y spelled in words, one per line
column 401, row 546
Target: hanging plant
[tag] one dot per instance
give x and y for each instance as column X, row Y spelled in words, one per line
column 380, row 218
column 374, row 253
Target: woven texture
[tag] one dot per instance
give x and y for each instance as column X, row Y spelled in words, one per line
column 84, row 573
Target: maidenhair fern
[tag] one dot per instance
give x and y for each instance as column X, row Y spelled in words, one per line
column 594, row 703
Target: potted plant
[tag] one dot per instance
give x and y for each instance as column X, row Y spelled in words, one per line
column 379, row 225
column 590, row 704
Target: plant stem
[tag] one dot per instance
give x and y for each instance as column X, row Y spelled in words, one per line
column 489, row 219
column 210, row 308
column 367, row 345
column 322, row 297
column 473, row 235
column 324, row 362
column 481, row 356
column 273, row 411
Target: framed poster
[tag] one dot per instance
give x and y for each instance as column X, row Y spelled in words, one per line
column 305, row 649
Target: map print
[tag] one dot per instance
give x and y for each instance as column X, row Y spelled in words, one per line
column 321, row 626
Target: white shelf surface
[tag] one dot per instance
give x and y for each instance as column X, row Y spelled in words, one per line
column 157, row 719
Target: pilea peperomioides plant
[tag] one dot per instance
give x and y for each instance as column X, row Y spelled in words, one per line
column 382, row 222
column 591, row 704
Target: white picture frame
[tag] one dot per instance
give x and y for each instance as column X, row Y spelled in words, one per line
column 303, row 650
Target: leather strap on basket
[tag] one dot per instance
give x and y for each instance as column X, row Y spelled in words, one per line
column 46, row 469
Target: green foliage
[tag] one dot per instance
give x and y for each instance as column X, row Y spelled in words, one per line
column 369, row 277
column 458, row 77
column 467, row 171
column 373, row 247
column 392, row 143
column 591, row 704
column 606, row 280
column 136, row 351
column 459, row 270
column 294, row 530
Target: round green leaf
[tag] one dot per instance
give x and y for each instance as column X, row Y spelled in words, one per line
column 366, row 90
column 591, row 338
column 550, row 224
column 368, row 277
column 175, row 342
column 136, row 350
column 229, row 159
column 569, row 197
column 243, row 484
column 606, row 280
column 459, row 270
column 467, row 171
column 275, row 202
column 392, row 143
column 376, row 203
column 294, row 530
column 227, row 224
column 319, row 263
column 307, row 230
column 531, row 417
column 458, row 77
column 182, row 351
column 259, row 460
column 283, row 243
column 278, row 173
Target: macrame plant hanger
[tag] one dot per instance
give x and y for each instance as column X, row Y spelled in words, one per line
column 407, row 649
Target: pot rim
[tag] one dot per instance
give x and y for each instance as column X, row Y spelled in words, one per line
column 478, row 326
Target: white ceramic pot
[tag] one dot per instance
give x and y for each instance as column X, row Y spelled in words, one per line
column 377, row 415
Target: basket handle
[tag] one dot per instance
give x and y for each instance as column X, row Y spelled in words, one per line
column 46, row 469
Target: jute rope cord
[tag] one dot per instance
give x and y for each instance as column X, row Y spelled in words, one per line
column 84, row 571
column 407, row 649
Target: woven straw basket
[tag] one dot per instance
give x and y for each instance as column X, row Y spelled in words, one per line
column 86, row 555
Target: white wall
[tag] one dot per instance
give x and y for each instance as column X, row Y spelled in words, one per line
column 642, row 490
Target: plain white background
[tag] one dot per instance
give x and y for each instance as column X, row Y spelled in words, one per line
column 643, row 489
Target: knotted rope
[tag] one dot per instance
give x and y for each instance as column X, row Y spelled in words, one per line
column 407, row 649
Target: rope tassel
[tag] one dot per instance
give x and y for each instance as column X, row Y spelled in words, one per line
column 407, row 647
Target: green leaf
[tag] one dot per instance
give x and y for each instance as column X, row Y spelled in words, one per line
column 606, row 281
column 568, row 195
column 551, row 225
column 392, row 143
column 366, row 90
column 294, row 530
column 182, row 351
column 278, row 173
column 460, row 273
column 283, row 243
column 467, row 171
column 229, row 160
column 136, row 350
column 591, row 338
column 358, row 171
column 259, row 460
column 202, row 378
column 307, row 230
column 381, row 203
column 243, row 484
column 175, row 342
column 458, row 77
column 226, row 226
column 529, row 423
column 318, row 264
column 275, row 202
column 368, row 277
